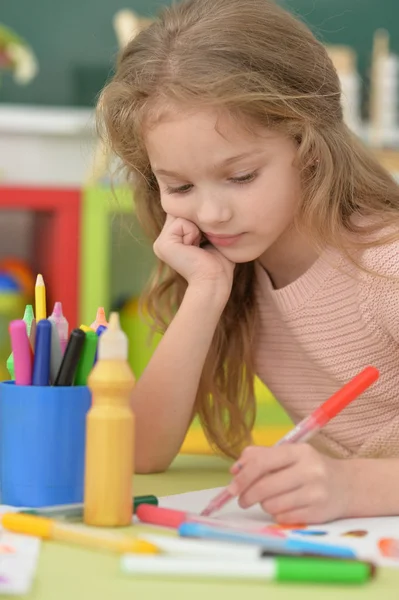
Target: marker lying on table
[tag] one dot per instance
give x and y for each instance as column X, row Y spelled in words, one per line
column 279, row 568
column 313, row 423
column 269, row 543
column 186, row 547
column 74, row 534
column 168, row 517
column 75, row 511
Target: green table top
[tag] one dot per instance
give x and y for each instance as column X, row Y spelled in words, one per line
column 72, row 573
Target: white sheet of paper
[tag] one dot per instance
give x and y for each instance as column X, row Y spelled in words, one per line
column 19, row 556
column 365, row 547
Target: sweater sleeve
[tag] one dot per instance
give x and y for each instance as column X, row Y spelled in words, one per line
column 379, row 301
column 379, row 289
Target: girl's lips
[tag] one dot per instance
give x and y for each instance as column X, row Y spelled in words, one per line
column 223, row 240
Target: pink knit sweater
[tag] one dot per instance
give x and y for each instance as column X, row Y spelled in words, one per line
column 318, row 332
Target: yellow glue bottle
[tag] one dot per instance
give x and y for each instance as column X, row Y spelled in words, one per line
column 109, row 460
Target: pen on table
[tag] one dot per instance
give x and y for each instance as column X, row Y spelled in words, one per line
column 73, row 534
column 61, row 323
column 66, row 373
column 21, row 351
column 41, row 363
column 314, row 422
column 269, row 543
column 86, row 361
column 28, row 318
column 75, row 511
column 56, row 352
column 279, row 568
column 40, row 299
column 167, row 517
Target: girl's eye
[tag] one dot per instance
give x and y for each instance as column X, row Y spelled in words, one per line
column 244, row 178
column 183, row 189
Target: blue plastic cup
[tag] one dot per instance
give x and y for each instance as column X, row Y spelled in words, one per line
column 42, row 444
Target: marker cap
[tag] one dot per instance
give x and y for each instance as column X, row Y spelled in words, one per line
column 113, row 343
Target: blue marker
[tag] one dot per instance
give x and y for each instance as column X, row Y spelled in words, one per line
column 268, row 543
column 41, row 365
column 99, row 331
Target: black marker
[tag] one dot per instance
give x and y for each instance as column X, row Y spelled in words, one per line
column 67, row 370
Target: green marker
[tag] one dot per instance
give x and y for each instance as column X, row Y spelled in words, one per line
column 10, row 367
column 279, row 568
column 86, row 361
column 28, row 317
column 75, row 511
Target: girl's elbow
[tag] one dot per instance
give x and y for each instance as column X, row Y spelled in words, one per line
column 151, row 465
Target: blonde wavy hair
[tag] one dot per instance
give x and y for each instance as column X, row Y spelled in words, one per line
column 260, row 63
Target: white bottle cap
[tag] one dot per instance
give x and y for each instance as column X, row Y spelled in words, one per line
column 113, row 343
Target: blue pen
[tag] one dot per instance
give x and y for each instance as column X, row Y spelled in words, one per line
column 41, row 365
column 268, row 543
column 99, row 331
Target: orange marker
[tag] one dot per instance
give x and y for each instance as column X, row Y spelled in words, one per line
column 100, row 319
column 110, row 433
column 310, row 425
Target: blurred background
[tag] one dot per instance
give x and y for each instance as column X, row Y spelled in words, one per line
column 59, row 216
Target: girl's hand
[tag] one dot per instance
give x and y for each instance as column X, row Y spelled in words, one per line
column 293, row 483
column 178, row 245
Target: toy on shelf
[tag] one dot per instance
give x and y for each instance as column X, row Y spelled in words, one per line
column 126, row 25
column 16, row 56
column 56, row 238
column 22, row 273
column 12, row 304
column 344, row 59
column 383, row 93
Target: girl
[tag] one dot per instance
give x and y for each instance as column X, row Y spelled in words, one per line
column 277, row 238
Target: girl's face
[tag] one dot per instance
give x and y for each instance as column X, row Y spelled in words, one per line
column 241, row 190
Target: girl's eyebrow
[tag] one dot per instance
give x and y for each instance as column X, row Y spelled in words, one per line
column 224, row 163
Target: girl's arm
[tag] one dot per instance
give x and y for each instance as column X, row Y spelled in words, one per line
column 164, row 396
column 373, row 487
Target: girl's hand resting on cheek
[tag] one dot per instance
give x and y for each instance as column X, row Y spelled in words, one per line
column 178, row 245
column 293, row 483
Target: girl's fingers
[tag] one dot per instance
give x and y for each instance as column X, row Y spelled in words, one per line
column 292, row 501
column 296, row 516
column 272, row 487
column 257, row 462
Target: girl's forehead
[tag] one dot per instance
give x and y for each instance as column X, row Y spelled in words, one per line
column 217, row 120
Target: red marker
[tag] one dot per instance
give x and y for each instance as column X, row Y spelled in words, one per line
column 168, row 517
column 314, row 422
column 157, row 515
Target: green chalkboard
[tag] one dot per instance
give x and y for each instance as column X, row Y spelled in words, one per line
column 76, row 46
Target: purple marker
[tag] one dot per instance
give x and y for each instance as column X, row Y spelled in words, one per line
column 61, row 324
